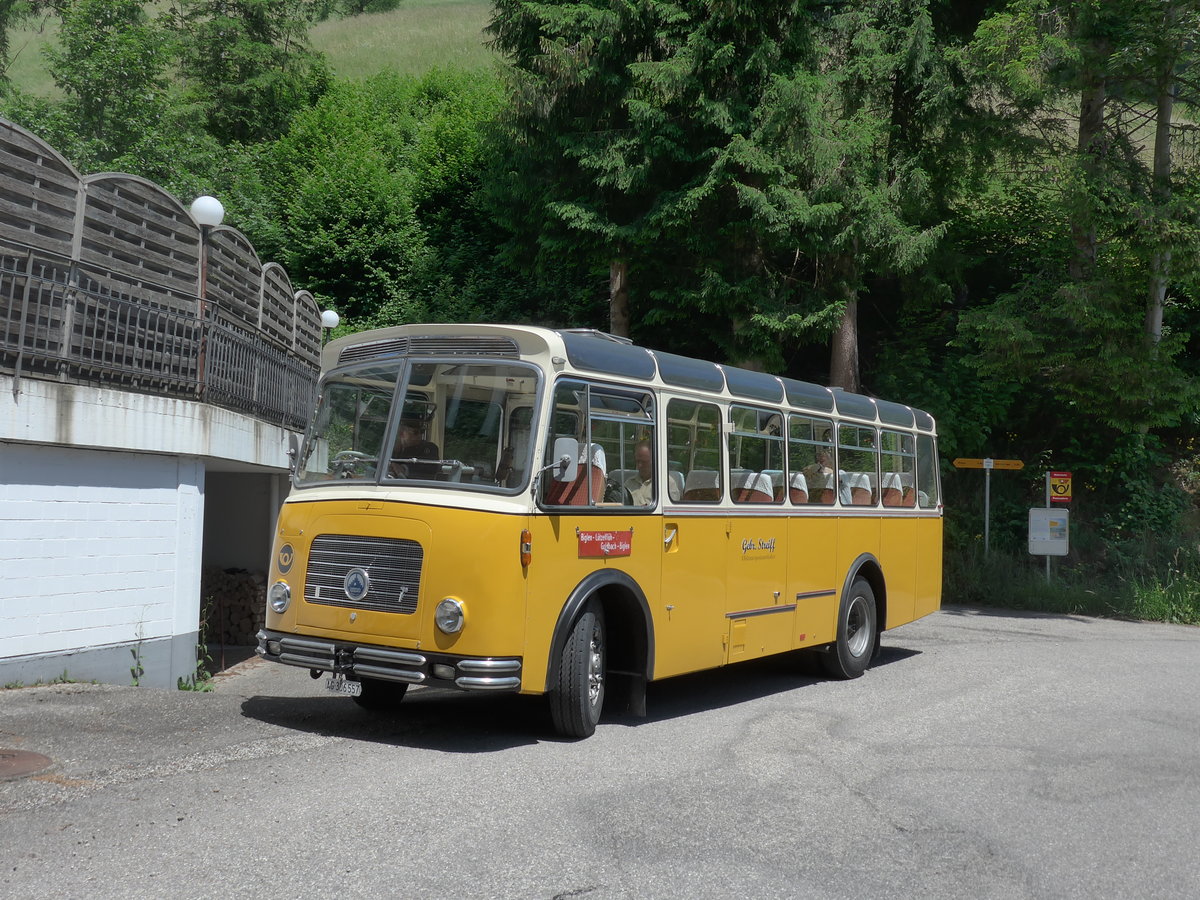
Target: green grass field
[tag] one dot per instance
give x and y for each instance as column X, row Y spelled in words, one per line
column 421, row 35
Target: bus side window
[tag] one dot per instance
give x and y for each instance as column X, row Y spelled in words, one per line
column 857, row 466
column 928, row 495
column 694, row 450
column 898, row 468
column 755, row 455
column 810, row 461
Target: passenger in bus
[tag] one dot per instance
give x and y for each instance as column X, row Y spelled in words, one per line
column 818, row 477
column 641, row 484
column 410, row 445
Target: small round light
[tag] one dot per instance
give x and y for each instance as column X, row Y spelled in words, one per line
column 280, row 596
column 330, row 319
column 207, row 210
column 450, row 615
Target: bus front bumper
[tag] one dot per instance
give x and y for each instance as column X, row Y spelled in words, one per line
column 358, row 661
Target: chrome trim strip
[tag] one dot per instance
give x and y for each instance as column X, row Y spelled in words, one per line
column 488, row 684
column 395, row 657
column 307, row 662
column 764, row 611
column 793, row 512
column 490, row 665
column 809, row 595
column 300, row 645
column 383, row 673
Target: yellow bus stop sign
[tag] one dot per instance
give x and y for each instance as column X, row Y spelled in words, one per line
column 1060, row 487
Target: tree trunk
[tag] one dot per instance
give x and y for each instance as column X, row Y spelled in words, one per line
column 1160, row 260
column 843, row 363
column 618, row 297
column 1090, row 148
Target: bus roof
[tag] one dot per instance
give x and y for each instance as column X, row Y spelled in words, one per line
column 595, row 352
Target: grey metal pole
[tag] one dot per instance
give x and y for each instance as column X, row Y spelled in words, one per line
column 1047, row 507
column 987, row 507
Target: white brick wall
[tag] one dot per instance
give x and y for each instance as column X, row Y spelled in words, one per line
column 96, row 547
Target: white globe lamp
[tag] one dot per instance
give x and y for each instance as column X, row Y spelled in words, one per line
column 207, row 211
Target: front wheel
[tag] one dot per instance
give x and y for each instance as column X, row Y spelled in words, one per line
column 578, row 693
column 857, row 633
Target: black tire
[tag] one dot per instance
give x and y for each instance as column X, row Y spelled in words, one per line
column 380, row 696
column 577, row 697
column 857, row 633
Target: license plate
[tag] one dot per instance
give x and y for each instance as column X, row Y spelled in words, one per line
column 340, row 685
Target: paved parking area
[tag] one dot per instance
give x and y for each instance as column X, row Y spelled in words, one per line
column 989, row 754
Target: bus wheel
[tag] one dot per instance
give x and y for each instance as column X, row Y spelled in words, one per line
column 380, row 696
column 578, row 694
column 856, row 633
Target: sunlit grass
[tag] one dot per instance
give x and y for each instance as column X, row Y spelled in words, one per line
column 421, row 35
column 417, row 37
column 27, row 66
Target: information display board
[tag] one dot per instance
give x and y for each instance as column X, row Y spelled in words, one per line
column 1049, row 531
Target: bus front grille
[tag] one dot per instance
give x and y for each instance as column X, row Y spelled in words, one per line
column 392, row 567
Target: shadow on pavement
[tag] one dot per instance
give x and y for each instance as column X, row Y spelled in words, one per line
column 456, row 722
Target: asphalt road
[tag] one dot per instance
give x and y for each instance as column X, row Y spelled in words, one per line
column 988, row 754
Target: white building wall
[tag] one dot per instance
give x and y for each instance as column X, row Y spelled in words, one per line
column 102, row 543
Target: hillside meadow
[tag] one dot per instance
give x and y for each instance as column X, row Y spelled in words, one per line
column 421, row 35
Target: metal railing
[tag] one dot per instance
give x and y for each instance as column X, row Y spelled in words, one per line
column 61, row 322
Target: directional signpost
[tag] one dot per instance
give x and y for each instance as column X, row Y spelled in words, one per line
column 987, row 465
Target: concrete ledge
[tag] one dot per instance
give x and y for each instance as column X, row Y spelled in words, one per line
column 162, row 662
column 73, row 415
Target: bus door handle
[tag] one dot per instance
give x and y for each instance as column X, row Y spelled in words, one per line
column 672, row 531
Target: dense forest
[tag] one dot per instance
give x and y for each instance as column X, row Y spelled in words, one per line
column 985, row 209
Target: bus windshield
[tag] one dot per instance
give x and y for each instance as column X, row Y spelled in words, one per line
column 404, row 421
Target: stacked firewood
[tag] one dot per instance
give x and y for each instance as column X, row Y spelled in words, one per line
column 234, row 605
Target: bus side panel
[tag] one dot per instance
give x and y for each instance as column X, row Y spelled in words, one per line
column 557, row 566
column 929, row 567
column 898, row 558
column 690, row 627
column 814, row 584
column 759, row 612
column 857, row 535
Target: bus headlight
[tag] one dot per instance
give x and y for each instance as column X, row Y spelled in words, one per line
column 450, row 615
column 280, row 596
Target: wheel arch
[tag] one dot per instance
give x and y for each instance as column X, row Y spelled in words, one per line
column 630, row 632
column 867, row 566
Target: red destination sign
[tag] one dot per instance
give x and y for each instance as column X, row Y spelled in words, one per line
column 603, row 544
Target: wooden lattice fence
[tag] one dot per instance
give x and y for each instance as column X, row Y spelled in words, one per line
column 108, row 278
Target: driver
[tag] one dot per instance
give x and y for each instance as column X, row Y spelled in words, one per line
column 411, row 444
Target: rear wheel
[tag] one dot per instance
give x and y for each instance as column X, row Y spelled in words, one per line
column 857, row 633
column 578, row 693
column 380, row 696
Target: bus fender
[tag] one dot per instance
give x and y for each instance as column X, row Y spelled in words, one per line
column 867, row 565
column 631, row 657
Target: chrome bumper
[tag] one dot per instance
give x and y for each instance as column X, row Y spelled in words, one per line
column 389, row 663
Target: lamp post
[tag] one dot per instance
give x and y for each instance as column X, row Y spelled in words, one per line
column 329, row 321
column 208, row 213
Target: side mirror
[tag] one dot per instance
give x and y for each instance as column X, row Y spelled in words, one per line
column 565, row 464
column 293, row 451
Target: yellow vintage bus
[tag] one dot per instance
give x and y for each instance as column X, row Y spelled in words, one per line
column 560, row 512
